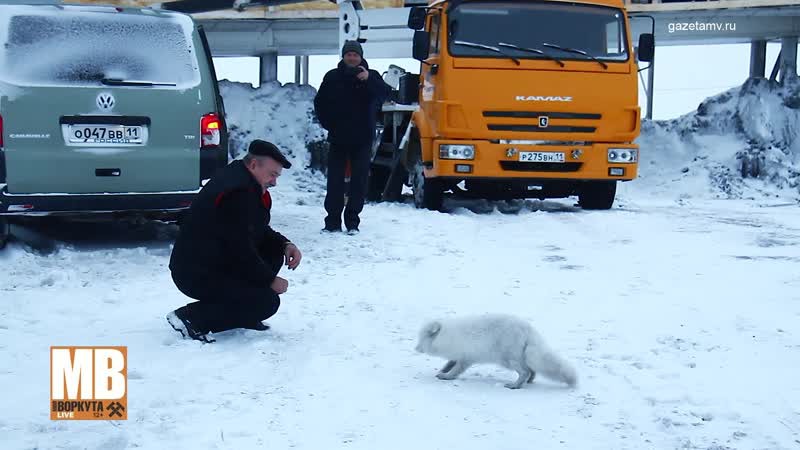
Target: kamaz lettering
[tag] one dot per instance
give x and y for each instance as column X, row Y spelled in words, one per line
column 539, row 98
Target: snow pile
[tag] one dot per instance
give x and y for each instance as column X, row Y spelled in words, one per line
column 283, row 115
column 741, row 143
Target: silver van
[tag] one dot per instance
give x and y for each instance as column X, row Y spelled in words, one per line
column 105, row 110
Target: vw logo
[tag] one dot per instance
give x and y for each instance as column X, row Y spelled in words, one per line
column 544, row 121
column 105, row 101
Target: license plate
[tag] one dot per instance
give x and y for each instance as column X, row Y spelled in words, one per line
column 545, row 157
column 105, row 134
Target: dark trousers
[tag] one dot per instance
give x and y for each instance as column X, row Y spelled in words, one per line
column 338, row 156
column 226, row 302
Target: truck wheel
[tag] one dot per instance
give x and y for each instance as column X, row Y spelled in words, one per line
column 597, row 194
column 428, row 192
column 5, row 232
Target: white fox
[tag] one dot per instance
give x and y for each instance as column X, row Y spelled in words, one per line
column 493, row 339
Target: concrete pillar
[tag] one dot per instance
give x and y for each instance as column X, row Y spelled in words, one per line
column 268, row 68
column 305, row 69
column 298, row 60
column 788, row 59
column 758, row 59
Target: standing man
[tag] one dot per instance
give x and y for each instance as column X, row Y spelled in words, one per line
column 347, row 105
column 226, row 255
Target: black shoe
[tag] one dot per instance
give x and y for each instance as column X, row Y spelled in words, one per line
column 258, row 326
column 183, row 326
column 352, row 231
column 332, row 230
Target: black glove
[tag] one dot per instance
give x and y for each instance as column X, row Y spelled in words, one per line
column 352, row 71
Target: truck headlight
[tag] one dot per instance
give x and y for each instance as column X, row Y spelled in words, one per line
column 450, row 151
column 623, row 155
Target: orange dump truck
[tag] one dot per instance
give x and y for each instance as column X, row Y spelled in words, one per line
column 514, row 99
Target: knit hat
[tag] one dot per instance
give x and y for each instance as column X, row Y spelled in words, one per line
column 352, row 46
column 264, row 148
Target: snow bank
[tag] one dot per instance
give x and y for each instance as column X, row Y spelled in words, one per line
column 283, row 115
column 741, row 143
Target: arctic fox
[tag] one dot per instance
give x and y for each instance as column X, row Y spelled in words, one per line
column 493, row 339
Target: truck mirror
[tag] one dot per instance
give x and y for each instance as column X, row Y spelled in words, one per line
column 422, row 45
column 416, row 18
column 647, row 47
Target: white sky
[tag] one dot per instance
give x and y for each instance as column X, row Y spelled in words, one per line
column 684, row 77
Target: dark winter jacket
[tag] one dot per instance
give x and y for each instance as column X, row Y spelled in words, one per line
column 224, row 229
column 348, row 107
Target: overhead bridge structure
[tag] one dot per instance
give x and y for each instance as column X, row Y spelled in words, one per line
column 269, row 28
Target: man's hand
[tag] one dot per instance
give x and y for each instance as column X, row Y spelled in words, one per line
column 279, row 285
column 293, row 256
column 364, row 74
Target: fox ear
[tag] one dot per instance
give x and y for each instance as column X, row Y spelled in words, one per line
column 434, row 329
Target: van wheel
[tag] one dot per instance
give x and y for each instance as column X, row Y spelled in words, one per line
column 5, row 232
column 597, row 194
column 428, row 192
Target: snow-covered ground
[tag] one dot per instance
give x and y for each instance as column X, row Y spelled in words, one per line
column 680, row 319
column 678, row 309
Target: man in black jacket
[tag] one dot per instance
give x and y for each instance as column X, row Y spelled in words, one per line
column 347, row 105
column 226, row 255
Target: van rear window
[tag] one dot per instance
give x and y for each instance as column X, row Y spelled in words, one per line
column 71, row 48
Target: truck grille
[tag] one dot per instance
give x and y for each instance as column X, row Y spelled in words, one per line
column 537, row 114
column 538, row 129
column 537, row 126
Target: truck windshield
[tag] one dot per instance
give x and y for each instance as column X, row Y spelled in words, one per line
column 563, row 31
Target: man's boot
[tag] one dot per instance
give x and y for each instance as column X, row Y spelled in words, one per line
column 257, row 325
column 179, row 322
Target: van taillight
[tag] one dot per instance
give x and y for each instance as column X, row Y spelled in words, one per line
column 209, row 131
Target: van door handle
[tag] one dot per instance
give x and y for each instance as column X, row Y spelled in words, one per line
column 107, row 172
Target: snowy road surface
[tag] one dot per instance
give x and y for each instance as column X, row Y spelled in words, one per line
column 680, row 317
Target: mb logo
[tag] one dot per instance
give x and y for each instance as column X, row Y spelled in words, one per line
column 89, row 383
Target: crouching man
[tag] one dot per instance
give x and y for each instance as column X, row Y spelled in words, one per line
column 226, row 256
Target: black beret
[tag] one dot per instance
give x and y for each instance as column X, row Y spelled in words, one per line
column 264, row 148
